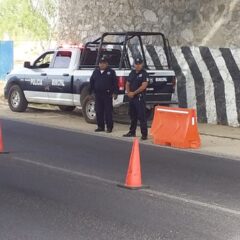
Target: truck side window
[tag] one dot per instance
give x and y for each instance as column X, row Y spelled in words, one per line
column 44, row 60
column 62, row 59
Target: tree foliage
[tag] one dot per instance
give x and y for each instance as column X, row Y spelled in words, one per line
column 27, row 19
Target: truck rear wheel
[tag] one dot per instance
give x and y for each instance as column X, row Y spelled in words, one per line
column 67, row 108
column 88, row 109
column 16, row 99
column 84, row 94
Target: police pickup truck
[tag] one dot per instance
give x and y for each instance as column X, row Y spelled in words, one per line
column 61, row 77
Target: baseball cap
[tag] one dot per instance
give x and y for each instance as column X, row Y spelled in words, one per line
column 103, row 59
column 138, row 61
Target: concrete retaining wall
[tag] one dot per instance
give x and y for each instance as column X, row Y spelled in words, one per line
column 209, row 80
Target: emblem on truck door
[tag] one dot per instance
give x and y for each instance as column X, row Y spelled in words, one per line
column 58, row 82
column 161, row 79
column 36, row 82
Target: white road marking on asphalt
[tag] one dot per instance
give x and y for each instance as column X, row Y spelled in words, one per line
column 149, row 191
column 193, row 202
column 64, row 170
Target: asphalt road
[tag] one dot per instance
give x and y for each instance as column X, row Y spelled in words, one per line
column 58, row 184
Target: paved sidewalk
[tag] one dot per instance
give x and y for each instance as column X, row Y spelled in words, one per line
column 220, row 131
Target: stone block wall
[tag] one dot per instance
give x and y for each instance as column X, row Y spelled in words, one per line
column 207, row 68
column 212, row 23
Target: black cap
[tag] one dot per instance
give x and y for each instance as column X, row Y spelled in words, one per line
column 138, row 61
column 103, row 59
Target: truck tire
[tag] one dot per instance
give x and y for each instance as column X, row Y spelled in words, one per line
column 84, row 94
column 66, row 108
column 88, row 109
column 16, row 99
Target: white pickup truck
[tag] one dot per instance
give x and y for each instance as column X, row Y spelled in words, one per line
column 61, row 76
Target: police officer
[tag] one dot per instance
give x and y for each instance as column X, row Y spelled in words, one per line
column 103, row 83
column 136, row 87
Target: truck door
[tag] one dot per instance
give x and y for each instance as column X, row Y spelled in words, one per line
column 36, row 83
column 61, row 80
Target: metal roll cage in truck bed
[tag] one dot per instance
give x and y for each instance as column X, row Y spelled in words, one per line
column 100, row 42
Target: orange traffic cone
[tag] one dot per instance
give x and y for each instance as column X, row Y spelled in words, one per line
column 134, row 177
column 1, row 142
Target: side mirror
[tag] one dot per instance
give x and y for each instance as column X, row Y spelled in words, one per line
column 27, row 65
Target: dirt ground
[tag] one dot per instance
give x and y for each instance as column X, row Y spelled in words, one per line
column 1, row 90
column 216, row 140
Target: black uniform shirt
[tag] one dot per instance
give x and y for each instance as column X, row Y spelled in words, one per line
column 105, row 82
column 136, row 79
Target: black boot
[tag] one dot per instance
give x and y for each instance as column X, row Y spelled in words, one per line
column 129, row 134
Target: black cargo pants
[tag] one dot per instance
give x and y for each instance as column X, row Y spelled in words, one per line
column 137, row 111
column 104, row 109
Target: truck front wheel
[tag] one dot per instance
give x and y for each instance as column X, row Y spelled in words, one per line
column 16, row 99
column 88, row 109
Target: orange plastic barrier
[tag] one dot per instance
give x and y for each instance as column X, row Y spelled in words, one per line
column 176, row 127
column 1, row 142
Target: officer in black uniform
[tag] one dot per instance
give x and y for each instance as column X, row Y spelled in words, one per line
column 136, row 87
column 103, row 83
